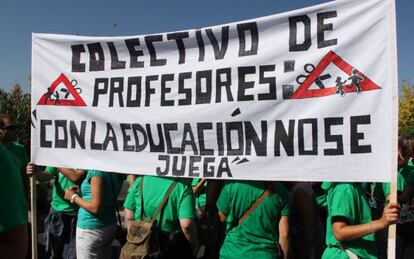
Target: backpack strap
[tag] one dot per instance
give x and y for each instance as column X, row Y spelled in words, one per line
column 255, row 205
column 141, row 184
column 164, row 201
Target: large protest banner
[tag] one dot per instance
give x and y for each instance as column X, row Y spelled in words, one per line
column 304, row 95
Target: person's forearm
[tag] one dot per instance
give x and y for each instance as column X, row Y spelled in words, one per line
column 284, row 245
column 87, row 205
column 75, row 176
column 350, row 232
column 201, row 183
column 129, row 216
column 284, row 235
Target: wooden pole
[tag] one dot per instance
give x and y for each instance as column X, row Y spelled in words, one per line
column 33, row 215
column 394, row 85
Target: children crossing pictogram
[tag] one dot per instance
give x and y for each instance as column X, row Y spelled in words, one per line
column 53, row 97
column 359, row 82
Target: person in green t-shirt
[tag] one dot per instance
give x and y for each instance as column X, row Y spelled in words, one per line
column 200, row 193
column 96, row 225
column 406, row 156
column 60, row 224
column 176, row 217
column 350, row 228
column 10, row 141
column 408, row 194
column 381, row 192
column 261, row 233
column 13, row 209
column 405, row 226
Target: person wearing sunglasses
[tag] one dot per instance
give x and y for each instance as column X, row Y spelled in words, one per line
column 10, row 141
column 13, row 212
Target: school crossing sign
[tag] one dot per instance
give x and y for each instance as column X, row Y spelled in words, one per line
column 307, row 95
column 358, row 82
column 66, row 95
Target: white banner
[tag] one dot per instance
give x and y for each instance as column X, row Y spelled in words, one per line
column 305, row 95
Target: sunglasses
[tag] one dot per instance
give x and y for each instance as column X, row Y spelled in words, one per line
column 10, row 127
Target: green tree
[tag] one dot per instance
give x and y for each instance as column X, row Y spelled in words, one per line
column 406, row 111
column 17, row 104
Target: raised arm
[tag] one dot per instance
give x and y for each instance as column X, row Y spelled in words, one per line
column 345, row 232
column 41, row 176
column 284, row 235
column 74, row 175
column 129, row 216
column 95, row 204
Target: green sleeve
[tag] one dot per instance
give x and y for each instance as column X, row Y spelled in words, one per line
column 342, row 202
column 223, row 201
column 92, row 173
column 52, row 170
column 195, row 181
column 187, row 204
column 400, row 185
column 385, row 189
column 130, row 199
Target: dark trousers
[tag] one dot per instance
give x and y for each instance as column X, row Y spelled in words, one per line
column 60, row 234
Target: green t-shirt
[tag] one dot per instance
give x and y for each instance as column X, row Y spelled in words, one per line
column 13, row 209
column 62, row 183
column 409, row 173
column 320, row 195
column 201, row 195
column 410, row 179
column 382, row 190
column 348, row 200
column 258, row 235
column 407, row 169
column 180, row 204
column 20, row 152
column 107, row 215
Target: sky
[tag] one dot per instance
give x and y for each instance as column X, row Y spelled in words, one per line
column 19, row 18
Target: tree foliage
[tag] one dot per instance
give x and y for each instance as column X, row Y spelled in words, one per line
column 17, row 104
column 406, row 111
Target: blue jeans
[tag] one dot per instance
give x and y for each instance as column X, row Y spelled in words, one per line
column 60, row 234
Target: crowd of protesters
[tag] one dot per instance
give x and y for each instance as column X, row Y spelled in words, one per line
column 200, row 218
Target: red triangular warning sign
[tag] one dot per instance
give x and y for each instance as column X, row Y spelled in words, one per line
column 303, row 90
column 46, row 98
